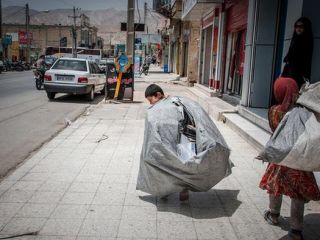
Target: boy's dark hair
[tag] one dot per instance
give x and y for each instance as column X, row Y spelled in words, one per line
column 152, row 90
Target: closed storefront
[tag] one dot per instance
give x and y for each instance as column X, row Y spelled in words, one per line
column 236, row 27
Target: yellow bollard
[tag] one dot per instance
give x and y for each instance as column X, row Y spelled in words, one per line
column 116, row 93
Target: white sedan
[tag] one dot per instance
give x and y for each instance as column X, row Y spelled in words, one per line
column 75, row 76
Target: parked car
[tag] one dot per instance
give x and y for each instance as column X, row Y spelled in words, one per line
column 74, row 76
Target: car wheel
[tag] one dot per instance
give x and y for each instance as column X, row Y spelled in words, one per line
column 51, row 95
column 38, row 84
column 91, row 94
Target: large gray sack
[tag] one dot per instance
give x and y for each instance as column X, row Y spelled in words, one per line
column 295, row 143
column 162, row 172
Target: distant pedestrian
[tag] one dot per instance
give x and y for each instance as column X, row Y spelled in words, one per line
column 299, row 57
column 300, row 186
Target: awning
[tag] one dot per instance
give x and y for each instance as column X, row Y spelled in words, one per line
column 193, row 10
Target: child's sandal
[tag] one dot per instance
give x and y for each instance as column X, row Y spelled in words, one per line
column 270, row 217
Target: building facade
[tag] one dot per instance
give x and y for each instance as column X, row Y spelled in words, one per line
column 43, row 36
column 236, row 47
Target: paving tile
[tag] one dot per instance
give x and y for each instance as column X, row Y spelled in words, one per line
column 113, row 188
column 83, row 187
column 178, row 214
column 54, row 186
column 140, row 200
column 136, row 213
column 204, row 200
column 3, row 222
column 105, row 212
column 54, row 238
column 211, row 214
column 69, row 211
column 31, row 210
column 8, row 210
column 63, row 177
column 93, row 178
column 115, row 178
column 5, row 185
column 217, row 230
column 99, row 227
column 77, row 198
column 46, row 197
column 16, row 196
column 64, row 227
column 134, row 229
column 102, row 198
column 35, row 177
column 251, row 215
column 27, row 185
column 246, row 231
column 95, row 238
column 23, row 225
column 172, row 229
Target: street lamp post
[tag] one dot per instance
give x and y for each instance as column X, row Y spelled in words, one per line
column 130, row 30
column 59, row 39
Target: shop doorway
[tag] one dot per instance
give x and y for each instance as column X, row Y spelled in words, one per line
column 207, row 50
column 234, row 75
column 185, row 59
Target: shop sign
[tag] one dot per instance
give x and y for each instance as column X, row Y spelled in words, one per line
column 23, row 38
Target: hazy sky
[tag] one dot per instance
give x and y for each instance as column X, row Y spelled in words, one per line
column 83, row 4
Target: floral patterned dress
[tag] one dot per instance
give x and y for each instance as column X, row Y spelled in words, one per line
column 280, row 180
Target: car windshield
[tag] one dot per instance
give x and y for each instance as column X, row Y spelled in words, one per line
column 50, row 60
column 68, row 64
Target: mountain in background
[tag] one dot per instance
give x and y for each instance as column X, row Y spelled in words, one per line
column 106, row 20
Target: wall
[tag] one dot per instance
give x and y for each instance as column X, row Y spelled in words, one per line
column 311, row 10
column 260, row 53
column 296, row 9
column 193, row 52
column 45, row 36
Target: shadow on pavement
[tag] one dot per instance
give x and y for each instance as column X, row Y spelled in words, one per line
column 201, row 205
column 311, row 229
column 81, row 99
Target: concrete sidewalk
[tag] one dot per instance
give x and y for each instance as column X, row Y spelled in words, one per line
column 81, row 185
column 157, row 75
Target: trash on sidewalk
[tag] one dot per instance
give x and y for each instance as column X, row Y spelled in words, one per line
column 162, row 170
column 102, row 138
column 295, row 143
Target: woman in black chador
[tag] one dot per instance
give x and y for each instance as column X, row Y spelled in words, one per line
column 299, row 57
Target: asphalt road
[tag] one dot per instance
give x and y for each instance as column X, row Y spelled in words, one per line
column 28, row 119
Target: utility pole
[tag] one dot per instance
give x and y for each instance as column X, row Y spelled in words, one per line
column 146, row 48
column 59, row 40
column 27, row 34
column 74, row 32
column 145, row 13
column 130, row 30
